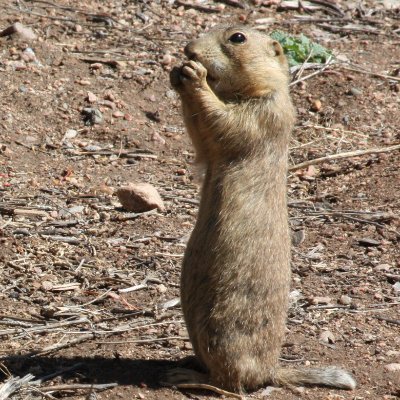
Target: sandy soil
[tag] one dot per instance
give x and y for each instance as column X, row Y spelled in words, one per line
column 67, row 248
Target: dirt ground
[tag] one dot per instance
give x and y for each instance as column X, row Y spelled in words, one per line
column 68, row 249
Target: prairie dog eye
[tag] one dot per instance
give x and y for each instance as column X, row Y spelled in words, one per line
column 238, row 38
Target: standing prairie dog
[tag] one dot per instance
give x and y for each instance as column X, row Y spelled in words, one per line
column 236, row 270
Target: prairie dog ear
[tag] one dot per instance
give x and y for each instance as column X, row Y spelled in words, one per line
column 279, row 52
column 277, row 48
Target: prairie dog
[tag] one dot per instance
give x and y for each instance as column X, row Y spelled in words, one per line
column 236, row 269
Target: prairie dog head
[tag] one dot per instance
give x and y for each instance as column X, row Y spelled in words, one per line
column 240, row 62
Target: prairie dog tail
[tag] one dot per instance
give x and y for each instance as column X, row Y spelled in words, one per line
column 328, row 376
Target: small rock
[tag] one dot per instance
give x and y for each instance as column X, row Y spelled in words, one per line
column 345, row 300
column 298, row 237
column 268, row 391
column 20, row 30
column 103, row 188
column 300, row 390
column 91, row 97
column 76, row 210
column 320, row 300
column 156, row 137
column 140, row 197
column 170, row 94
column 167, row 59
column 118, row 114
column 368, row 242
column 378, row 296
column 396, row 287
column 70, row 134
column 104, row 216
column 188, row 346
column 316, row 105
column 47, row 285
column 108, row 104
column 327, row 337
column 21, row 231
column 92, row 147
column 96, row 66
column 393, row 353
column 17, row 65
column 265, row 21
column 294, row 297
column 392, row 367
column 161, row 288
column 170, row 303
column 311, row 171
column 28, row 55
column 355, row 92
column 83, row 82
column 383, row 267
column 92, row 116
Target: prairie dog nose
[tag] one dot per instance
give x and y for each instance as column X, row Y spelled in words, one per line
column 190, row 52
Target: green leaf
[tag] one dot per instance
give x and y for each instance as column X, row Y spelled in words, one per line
column 299, row 48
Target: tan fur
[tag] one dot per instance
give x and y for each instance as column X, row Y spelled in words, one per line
column 236, row 270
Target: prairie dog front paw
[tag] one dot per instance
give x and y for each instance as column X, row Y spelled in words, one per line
column 191, row 76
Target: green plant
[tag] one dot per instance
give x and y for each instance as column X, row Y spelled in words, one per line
column 298, row 49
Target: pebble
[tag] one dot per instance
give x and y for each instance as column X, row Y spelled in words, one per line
column 320, row 300
column 345, row 300
column 327, row 337
column 108, row 104
column 392, row 367
column 92, row 147
column 265, row 21
column 368, row 242
column 28, row 55
column 396, row 287
column 76, row 209
column 17, row 65
column 167, row 59
column 104, row 216
column 91, row 97
column 20, row 30
column 47, row 285
column 268, row 391
column 118, row 114
column 96, row 66
column 140, row 197
column 298, row 237
column 161, row 288
column 378, row 296
column 188, row 346
column 316, row 105
column 156, row 137
column 83, row 82
column 355, row 92
column 70, row 134
column 21, row 231
column 383, row 267
column 92, row 116
column 393, row 353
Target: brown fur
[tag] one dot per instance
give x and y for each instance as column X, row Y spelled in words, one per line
column 236, row 270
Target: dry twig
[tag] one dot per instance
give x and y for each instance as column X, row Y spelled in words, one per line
column 348, row 154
